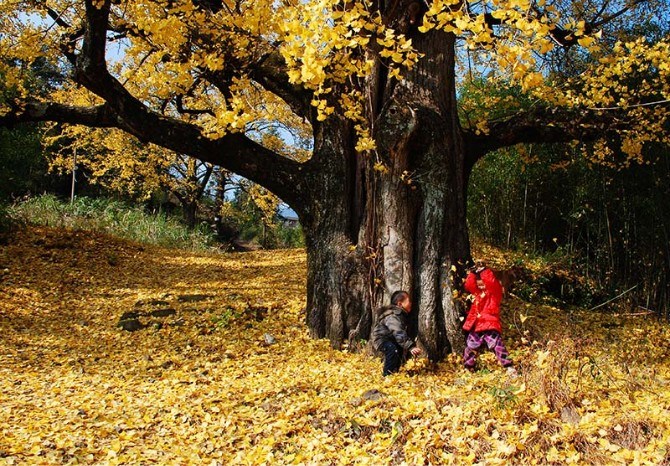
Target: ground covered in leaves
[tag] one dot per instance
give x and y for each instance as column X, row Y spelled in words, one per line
column 219, row 369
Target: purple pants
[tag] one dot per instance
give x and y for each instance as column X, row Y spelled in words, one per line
column 493, row 341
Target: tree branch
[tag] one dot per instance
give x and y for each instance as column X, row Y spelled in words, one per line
column 205, row 179
column 99, row 116
column 545, row 126
column 270, row 72
column 179, row 102
column 235, row 151
column 563, row 37
column 67, row 47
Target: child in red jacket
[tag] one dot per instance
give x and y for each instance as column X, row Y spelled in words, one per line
column 483, row 320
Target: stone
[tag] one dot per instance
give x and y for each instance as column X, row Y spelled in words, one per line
column 129, row 315
column 163, row 312
column 192, row 298
column 152, row 302
column 130, row 325
column 373, row 395
column 569, row 415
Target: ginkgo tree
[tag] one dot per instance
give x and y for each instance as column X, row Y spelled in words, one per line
column 125, row 166
column 382, row 199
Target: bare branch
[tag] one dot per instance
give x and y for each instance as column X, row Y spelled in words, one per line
column 204, row 180
column 610, row 18
column 67, row 46
column 566, row 38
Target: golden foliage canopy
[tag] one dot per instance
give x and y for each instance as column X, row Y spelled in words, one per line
column 224, row 67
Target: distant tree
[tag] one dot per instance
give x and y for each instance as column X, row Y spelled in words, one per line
column 22, row 164
column 609, row 222
column 23, row 168
column 124, row 166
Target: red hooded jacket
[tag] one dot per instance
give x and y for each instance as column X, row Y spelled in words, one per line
column 485, row 310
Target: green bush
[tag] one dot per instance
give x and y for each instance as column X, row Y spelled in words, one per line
column 290, row 237
column 112, row 217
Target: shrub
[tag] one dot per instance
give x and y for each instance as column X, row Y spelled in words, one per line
column 112, row 217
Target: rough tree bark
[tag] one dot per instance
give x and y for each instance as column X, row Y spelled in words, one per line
column 373, row 232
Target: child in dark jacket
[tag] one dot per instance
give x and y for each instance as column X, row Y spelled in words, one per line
column 483, row 320
column 390, row 334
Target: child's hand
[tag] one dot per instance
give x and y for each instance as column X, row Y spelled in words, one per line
column 416, row 351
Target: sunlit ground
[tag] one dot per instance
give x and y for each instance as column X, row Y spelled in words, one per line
column 199, row 383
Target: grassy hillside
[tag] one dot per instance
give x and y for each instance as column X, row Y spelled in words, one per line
column 220, row 370
column 109, row 216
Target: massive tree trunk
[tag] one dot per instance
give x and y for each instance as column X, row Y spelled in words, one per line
column 371, row 232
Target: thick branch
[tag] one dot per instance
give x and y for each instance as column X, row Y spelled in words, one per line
column 544, row 126
column 92, row 58
column 99, row 116
column 235, row 152
column 270, row 72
